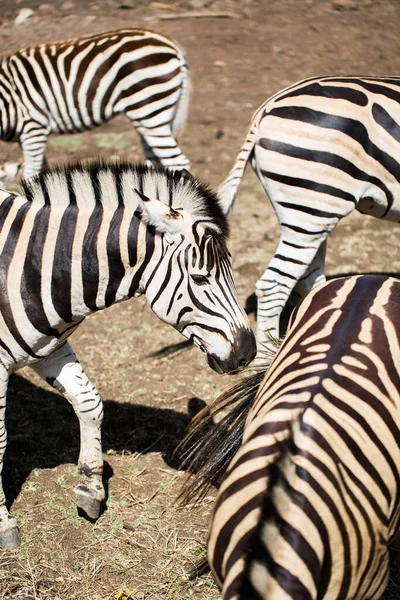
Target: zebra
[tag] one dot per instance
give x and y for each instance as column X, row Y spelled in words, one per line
column 308, row 461
column 83, row 237
column 320, row 148
column 78, row 84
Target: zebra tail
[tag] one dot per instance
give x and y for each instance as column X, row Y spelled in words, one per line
column 228, row 189
column 182, row 109
column 209, row 447
column 269, row 535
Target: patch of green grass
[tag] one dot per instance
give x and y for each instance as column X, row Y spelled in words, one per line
column 68, row 143
column 70, row 515
column 112, row 141
column 130, row 470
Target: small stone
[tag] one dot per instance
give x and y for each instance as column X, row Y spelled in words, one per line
column 344, row 5
column 89, row 19
column 199, row 3
column 47, row 9
column 219, row 63
column 67, row 5
column 23, row 15
column 219, row 134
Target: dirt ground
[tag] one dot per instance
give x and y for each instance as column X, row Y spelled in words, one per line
column 152, row 383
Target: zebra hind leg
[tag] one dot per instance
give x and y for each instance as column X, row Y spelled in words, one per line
column 289, row 264
column 160, row 146
column 315, row 274
column 64, row 372
column 9, row 534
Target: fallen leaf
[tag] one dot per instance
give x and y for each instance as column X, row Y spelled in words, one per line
column 124, row 595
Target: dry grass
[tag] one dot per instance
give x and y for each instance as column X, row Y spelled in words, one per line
column 144, row 546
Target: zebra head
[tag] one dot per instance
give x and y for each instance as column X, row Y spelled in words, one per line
column 191, row 285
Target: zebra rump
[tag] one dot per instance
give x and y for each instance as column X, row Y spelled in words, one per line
column 77, row 84
column 308, row 461
column 321, row 148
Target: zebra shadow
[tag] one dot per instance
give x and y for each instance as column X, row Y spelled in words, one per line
column 43, row 432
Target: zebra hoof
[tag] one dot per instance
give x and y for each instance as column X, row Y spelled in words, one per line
column 10, row 539
column 86, row 501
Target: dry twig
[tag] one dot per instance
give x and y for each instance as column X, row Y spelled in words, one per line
column 201, row 15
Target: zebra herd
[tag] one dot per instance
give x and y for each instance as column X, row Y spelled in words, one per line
column 307, row 458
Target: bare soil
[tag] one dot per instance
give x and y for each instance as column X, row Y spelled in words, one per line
column 152, row 383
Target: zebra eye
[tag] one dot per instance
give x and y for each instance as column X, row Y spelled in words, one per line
column 200, row 279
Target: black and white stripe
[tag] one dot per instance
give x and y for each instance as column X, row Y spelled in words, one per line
column 309, row 502
column 321, row 148
column 75, row 85
column 84, row 237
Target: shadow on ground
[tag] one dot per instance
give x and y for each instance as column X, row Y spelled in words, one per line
column 43, row 431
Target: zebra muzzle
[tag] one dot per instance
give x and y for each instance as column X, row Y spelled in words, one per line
column 214, row 363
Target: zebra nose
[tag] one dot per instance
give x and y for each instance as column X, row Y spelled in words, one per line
column 243, row 351
column 245, row 348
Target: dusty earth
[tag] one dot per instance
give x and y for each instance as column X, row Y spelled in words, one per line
column 152, row 383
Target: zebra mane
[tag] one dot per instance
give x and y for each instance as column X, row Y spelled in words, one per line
column 85, row 184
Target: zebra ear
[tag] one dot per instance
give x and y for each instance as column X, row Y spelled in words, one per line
column 162, row 217
column 185, row 175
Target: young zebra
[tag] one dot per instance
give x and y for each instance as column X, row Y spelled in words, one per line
column 321, row 148
column 74, row 85
column 310, row 500
column 85, row 237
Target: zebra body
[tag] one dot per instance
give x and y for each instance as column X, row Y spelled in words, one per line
column 85, row 237
column 78, row 84
column 321, row 148
column 310, row 500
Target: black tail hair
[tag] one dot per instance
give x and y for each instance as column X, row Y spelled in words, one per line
column 209, row 447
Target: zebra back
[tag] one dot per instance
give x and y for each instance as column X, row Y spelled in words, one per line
column 354, row 111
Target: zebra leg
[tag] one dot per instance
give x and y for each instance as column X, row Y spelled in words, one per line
column 64, row 372
column 315, row 274
column 33, row 143
column 289, row 264
column 160, row 146
column 9, row 534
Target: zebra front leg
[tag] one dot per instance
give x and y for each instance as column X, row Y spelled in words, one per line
column 64, row 372
column 33, row 143
column 9, row 534
column 292, row 260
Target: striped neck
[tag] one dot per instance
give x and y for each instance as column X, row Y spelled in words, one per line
column 73, row 260
column 84, row 243
column 101, row 255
